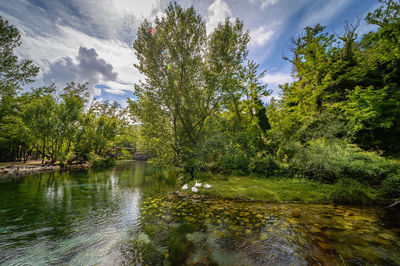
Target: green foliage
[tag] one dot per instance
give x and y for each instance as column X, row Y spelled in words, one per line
column 264, row 165
column 391, row 187
column 235, row 160
column 331, row 161
column 344, row 88
column 13, row 73
column 48, row 123
column 99, row 162
column 126, row 154
column 176, row 106
column 350, row 192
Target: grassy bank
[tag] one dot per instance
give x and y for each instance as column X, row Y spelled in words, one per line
column 278, row 189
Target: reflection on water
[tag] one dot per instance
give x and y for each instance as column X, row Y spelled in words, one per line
column 126, row 216
column 76, row 218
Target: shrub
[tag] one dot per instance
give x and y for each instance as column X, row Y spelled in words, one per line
column 263, row 165
column 192, row 167
column 213, row 167
column 288, row 150
column 99, row 162
column 125, row 154
column 391, row 187
column 333, row 160
column 235, row 160
column 350, row 192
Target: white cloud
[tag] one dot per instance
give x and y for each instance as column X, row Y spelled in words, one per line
column 46, row 50
column 264, row 3
column 260, row 36
column 96, row 91
column 218, row 11
column 267, row 99
column 326, row 14
column 267, row 3
column 117, row 87
column 114, row 18
column 277, row 78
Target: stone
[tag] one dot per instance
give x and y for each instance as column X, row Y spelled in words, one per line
column 295, row 213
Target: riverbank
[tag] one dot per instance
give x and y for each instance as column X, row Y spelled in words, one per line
column 284, row 189
column 33, row 167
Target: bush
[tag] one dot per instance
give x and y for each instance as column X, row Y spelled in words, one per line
column 235, row 160
column 350, row 192
column 288, row 150
column 100, row 162
column 333, row 160
column 192, row 167
column 391, row 187
column 263, row 165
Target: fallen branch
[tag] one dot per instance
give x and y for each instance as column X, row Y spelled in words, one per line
column 394, row 204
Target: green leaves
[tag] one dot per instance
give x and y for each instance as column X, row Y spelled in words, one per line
column 188, row 76
column 358, row 82
column 13, row 73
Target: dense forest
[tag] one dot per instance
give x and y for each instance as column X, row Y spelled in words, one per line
column 201, row 108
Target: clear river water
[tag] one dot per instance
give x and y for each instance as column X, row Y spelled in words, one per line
column 129, row 215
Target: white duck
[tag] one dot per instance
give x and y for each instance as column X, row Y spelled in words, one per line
column 207, row 186
column 194, row 189
column 197, row 184
column 185, row 186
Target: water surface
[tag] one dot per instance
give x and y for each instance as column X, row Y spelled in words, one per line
column 127, row 215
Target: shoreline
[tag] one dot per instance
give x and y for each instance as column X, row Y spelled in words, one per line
column 18, row 170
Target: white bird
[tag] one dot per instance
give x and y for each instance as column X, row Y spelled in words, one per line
column 207, row 186
column 185, row 186
column 197, row 184
column 194, row 189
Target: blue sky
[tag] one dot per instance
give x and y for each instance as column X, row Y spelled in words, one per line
column 91, row 40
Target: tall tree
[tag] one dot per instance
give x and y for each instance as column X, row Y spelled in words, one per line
column 14, row 74
column 187, row 78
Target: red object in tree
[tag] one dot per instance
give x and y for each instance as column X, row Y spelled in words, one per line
column 152, row 30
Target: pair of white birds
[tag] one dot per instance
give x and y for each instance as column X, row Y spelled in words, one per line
column 196, row 185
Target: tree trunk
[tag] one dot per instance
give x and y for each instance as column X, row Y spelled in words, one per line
column 12, row 153
column 20, row 154
column 44, row 147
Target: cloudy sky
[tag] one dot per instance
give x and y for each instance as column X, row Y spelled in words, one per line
column 91, row 40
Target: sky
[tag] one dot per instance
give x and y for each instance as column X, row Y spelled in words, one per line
column 91, row 40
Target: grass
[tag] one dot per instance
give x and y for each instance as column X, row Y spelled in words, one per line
column 273, row 189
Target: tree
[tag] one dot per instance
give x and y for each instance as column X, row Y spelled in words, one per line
column 188, row 77
column 38, row 116
column 344, row 87
column 14, row 74
column 380, row 69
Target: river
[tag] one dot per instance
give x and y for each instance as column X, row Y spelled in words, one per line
column 126, row 216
